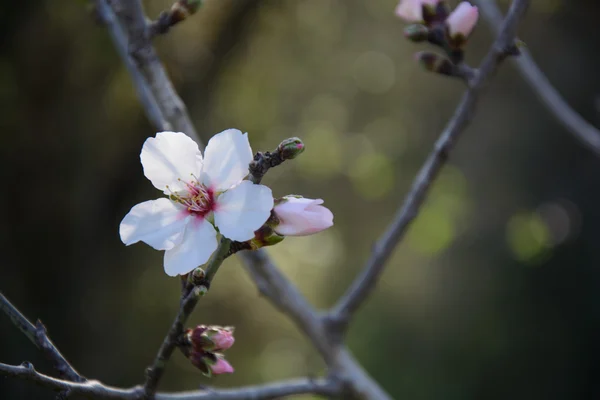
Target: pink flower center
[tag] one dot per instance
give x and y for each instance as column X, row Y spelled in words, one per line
column 198, row 199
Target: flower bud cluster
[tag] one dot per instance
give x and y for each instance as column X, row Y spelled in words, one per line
column 433, row 21
column 204, row 346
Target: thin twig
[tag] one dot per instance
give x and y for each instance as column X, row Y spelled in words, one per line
column 216, row 260
column 149, row 67
column 142, row 88
column 585, row 132
column 179, row 11
column 90, row 389
column 38, row 336
column 155, row 371
column 97, row 390
column 367, row 279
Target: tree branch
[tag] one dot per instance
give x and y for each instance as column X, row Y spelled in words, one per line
column 284, row 295
column 585, row 132
column 37, row 335
column 97, row 390
column 142, row 88
column 147, row 64
column 189, row 300
column 367, row 279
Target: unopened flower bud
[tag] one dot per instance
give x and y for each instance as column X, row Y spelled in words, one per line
column 187, row 6
column 417, row 10
column 433, row 62
column 211, row 338
column 210, row 363
column 221, row 366
column 204, row 345
column 223, row 339
column 416, row 32
column 462, row 21
column 290, row 148
column 299, row 216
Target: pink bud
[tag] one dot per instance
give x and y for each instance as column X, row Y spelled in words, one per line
column 223, row 340
column 463, row 19
column 221, row 367
column 412, row 10
column 300, row 216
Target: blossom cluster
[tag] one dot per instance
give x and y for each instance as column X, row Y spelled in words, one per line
column 434, row 22
column 204, row 346
column 208, row 197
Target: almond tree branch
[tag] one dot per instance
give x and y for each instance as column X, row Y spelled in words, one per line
column 585, row 132
column 148, row 69
column 90, row 389
column 37, row 334
column 96, row 390
column 364, row 284
column 284, row 295
column 119, row 37
column 189, row 300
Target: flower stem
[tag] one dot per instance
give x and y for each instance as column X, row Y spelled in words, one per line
column 216, row 260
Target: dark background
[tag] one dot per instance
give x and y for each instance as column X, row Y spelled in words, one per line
column 494, row 293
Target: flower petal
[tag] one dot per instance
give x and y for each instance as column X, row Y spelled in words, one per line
column 300, row 217
column 199, row 242
column 169, row 157
column 159, row 223
column 463, row 19
column 242, row 210
column 226, row 159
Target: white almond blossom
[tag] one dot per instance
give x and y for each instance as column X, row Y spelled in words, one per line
column 201, row 195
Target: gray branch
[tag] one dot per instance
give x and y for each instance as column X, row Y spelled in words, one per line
column 37, row 334
column 585, row 132
column 364, row 284
column 188, row 302
column 97, row 390
column 284, row 295
column 147, row 70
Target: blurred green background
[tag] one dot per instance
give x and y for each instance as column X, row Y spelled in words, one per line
column 493, row 295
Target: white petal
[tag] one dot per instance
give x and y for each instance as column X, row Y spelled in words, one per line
column 199, row 242
column 169, row 157
column 226, row 159
column 242, row 210
column 159, row 223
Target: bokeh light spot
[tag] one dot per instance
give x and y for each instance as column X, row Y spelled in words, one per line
column 374, row 72
column 528, row 236
column 372, row 175
column 322, row 159
column 432, row 232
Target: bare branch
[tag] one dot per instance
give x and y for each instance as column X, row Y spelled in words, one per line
column 259, row 392
column 356, row 382
column 179, row 11
column 367, row 279
column 38, row 336
column 188, row 303
column 93, row 389
column 585, row 132
column 288, row 299
column 119, row 37
column 147, row 63
column 96, row 390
